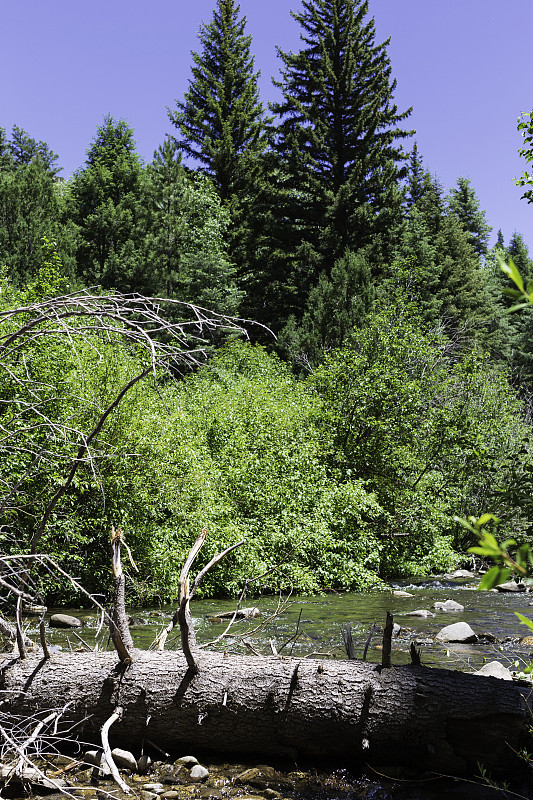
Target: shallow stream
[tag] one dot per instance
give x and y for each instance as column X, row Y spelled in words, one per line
column 307, row 626
column 312, row 626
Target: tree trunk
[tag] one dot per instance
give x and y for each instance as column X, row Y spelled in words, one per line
column 412, row 716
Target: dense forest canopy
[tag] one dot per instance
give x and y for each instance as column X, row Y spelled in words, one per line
column 384, row 391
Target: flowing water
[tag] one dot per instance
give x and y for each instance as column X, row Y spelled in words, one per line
column 312, row 626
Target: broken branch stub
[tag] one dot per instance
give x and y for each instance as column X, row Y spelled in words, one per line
column 182, row 615
column 119, row 628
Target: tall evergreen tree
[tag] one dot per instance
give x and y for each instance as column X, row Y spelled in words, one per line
column 24, row 149
column 222, row 123
column 29, row 206
column 438, row 257
column 106, row 196
column 464, row 202
column 338, row 140
column 518, row 251
column 185, row 250
column 221, row 120
column 417, row 177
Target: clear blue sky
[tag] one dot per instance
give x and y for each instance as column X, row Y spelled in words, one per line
column 464, row 66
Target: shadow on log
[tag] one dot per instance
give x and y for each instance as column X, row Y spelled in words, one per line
column 412, row 716
column 375, row 714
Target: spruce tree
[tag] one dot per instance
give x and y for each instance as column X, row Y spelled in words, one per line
column 464, row 202
column 185, row 250
column 222, row 123
column 518, row 251
column 106, row 197
column 338, row 140
column 221, row 120
column 415, row 268
column 30, row 208
column 337, row 304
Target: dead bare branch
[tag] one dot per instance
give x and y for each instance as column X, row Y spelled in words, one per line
column 116, row 715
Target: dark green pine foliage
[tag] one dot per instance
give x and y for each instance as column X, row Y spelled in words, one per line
column 438, row 258
column 505, row 341
column 417, row 177
column 222, row 123
column 337, row 304
column 518, row 251
column 464, row 202
column 107, row 208
column 185, row 249
column 29, row 206
column 25, row 150
column 338, row 143
column 465, row 302
column 415, row 268
column 522, row 357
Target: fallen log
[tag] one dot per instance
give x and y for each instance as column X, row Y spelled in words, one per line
column 411, row 716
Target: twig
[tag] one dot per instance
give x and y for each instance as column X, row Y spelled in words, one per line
column 369, row 639
column 387, row 642
column 195, row 549
column 116, row 715
column 216, row 558
column 295, row 634
column 348, row 641
column 156, row 747
column 20, row 635
column 84, row 643
column 42, row 636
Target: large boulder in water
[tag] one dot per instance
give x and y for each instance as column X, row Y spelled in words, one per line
column 458, row 632
column 448, row 605
column 64, row 621
column 511, row 586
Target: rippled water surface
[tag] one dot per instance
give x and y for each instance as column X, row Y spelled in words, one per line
column 311, row 626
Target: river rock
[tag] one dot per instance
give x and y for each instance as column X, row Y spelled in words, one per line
column 123, row 758
column 259, row 777
column 462, row 573
column 97, row 759
column 186, row 761
column 448, row 605
column 64, row 621
column 420, row 612
column 398, row 593
column 527, row 640
column 156, row 788
column 33, row 610
column 210, row 793
column 511, row 586
column 495, row 669
column 458, row 632
column 241, row 613
column 170, row 773
column 198, row 773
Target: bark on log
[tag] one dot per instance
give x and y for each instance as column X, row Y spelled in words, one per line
column 413, row 716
